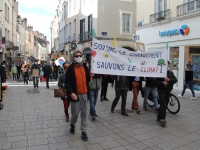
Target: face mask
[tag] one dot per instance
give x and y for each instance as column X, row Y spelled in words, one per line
column 79, row 59
column 3, row 65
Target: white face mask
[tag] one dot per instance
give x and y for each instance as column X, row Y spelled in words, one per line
column 79, row 59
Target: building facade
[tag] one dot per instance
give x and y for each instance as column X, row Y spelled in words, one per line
column 173, row 26
column 102, row 19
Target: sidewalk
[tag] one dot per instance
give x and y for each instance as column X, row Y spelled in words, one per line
column 32, row 119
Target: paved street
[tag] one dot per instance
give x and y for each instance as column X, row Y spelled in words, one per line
column 34, row 120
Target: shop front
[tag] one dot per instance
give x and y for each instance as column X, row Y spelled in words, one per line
column 182, row 40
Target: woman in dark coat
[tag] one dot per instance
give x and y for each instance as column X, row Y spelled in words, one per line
column 61, row 84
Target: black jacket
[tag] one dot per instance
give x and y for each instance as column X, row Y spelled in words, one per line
column 2, row 72
column 70, row 81
column 150, row 82
column 188, row 76
column 169, row 87
column 122, row 83
column 47, row 70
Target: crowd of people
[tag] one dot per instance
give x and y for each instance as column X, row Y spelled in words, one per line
column 82, row 88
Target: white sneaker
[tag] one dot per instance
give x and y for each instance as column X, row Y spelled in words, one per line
column 194, row 98
column 191, row 98
column 179, row 95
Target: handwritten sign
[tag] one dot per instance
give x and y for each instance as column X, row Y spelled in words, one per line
column 107, row 59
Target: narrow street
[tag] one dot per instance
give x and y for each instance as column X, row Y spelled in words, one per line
column 32, row 119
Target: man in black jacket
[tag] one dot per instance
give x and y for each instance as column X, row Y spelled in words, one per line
column 47, row 72
column 35, row 78
column 77, row 80
column 164, row 87
column 121, row 89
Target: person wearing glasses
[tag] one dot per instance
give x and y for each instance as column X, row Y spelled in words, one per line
column 77, row 80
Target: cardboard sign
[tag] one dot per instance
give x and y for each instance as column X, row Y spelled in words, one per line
column 35, row 73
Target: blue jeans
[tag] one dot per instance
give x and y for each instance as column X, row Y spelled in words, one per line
column 93, row 100
column 153, row 91
column 191, row 86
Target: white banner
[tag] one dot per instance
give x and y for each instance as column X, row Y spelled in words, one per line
column 107, row 59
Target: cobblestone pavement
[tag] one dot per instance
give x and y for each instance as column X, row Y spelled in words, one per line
column 34, row 120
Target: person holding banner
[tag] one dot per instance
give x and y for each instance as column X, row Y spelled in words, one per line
column 105, row 80
column 164, row 87
column 121, row 89
column 77, row 85
column 135, row 85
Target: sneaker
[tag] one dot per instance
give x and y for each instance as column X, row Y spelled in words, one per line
column 163, row 124
column 193, row 98
column 179, row 95
column 94, row 115
column 84, row 136
column 106, row 99
column 72, row 129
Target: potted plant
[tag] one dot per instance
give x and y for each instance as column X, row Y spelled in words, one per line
column 160, row 18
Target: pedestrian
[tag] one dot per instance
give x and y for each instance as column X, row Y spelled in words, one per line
column 164, row 87
column 150, row 88
column 14, row 72
column 3, row 72
column 104, row 88
column 35, row 77
column 77, row 86
column 61, row 84
column 25, row 74
column 18, row 70
column 121, row 89
column 55, row 71
column 47, row 73
column 95, row 85
column 135, row 85
column 188, row 81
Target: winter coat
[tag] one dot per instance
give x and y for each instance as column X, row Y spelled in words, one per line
column 14, row 69
column 70, row 81
column 121, row 82
column 169, row 87
column 47, row 70
column 96, row 82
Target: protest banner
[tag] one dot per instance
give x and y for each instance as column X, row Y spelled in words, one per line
column 107, row 59
column 60, row 61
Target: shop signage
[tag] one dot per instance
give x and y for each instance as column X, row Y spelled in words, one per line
column 135, row 37
column 184, row 30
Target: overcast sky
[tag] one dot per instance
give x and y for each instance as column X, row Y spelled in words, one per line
column 39, row 14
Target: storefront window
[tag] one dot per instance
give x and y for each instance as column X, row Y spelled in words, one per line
column 174, row 57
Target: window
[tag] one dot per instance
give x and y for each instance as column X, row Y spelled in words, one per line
column 5, row 11
column 66, row 10
column 162, row 5
column 74, row 4
column 75, row 26
column 82, row 26
column 126, row 22
column 90, row 23
column 8, row 15
column 70, row 29
column 70, row 6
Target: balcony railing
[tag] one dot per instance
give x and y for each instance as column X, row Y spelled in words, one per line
column 86, row 36
column 81, row 37
column 162, row 15
column 9, row 44
column 73, row 38
column 188, row 7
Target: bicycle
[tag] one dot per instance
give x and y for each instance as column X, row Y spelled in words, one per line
column 173, row 105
